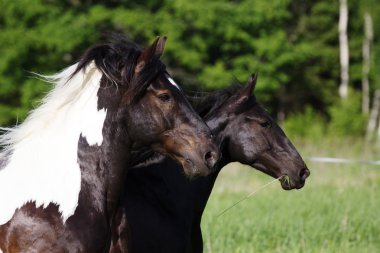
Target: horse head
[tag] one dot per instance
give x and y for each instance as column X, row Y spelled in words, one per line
column 252, row 137
column 156, row 113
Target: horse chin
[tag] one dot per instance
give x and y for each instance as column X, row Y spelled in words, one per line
column 290, row 184
column 191, row 169
column 285, row 185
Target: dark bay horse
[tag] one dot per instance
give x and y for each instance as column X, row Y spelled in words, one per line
column 62, row 170
column 162, row 212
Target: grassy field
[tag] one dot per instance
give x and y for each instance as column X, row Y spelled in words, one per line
column 337, row 211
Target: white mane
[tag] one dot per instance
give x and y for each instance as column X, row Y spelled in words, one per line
column 42, row 164
column 63, row 93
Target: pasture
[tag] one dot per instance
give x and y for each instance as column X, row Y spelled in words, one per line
column 337, row 210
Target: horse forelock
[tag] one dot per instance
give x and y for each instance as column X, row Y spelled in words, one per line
column 149, row 73
column 39, row 156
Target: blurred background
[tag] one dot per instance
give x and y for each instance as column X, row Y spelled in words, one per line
column 294, row 45
column 319, row 76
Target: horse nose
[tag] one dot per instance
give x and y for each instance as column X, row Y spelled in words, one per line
column 211, row 158
column 304, row 173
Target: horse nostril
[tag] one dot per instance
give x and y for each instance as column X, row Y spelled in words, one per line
column 304, row 173
column 211, row 158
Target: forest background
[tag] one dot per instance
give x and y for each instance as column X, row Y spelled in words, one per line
column 292, row 44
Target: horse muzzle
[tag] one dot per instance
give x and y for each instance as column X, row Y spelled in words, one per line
column 296, row 181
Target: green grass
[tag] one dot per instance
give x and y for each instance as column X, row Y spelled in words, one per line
column 337, row 211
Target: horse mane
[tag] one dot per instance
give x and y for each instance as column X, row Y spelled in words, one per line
column 206, row 103
column 117, row 58
column 63, row 92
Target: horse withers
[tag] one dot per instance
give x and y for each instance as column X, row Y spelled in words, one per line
column 161, row 212
column 62, row 170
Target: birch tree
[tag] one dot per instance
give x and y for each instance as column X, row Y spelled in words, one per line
column 367, row 43
column 343, row 46
column 374, row 117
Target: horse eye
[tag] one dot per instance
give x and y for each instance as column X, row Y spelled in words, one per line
column 164, row 97
column 265, row 124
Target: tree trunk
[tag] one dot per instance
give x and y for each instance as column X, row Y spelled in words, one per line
column 343, row 46
column 367, row 42
column 374, row 116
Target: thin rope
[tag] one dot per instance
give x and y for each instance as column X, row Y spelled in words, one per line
column 248, row 196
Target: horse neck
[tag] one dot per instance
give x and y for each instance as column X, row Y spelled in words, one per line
column 102, row 173
column 103, row 167
column 202, row 187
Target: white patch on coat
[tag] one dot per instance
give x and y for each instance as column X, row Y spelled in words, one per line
column 173, row 82
column 43, row 166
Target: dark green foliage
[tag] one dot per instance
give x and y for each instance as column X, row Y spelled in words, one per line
column 293, row 44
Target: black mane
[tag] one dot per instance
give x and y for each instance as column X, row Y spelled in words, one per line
column 206, row 104
column 117, row 59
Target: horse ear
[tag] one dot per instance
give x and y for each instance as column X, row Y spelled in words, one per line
column 247, row 90
column 155, row 50
column 250, row 85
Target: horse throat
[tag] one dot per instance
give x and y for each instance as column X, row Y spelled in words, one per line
column 217, row 126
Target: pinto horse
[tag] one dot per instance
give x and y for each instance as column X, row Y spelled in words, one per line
column 161, row 212
column 62, row 170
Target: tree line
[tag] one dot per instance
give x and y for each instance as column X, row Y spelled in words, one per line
column 294, row 45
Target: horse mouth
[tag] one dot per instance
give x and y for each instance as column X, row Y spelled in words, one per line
column 287, row 183
column 190, row 168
